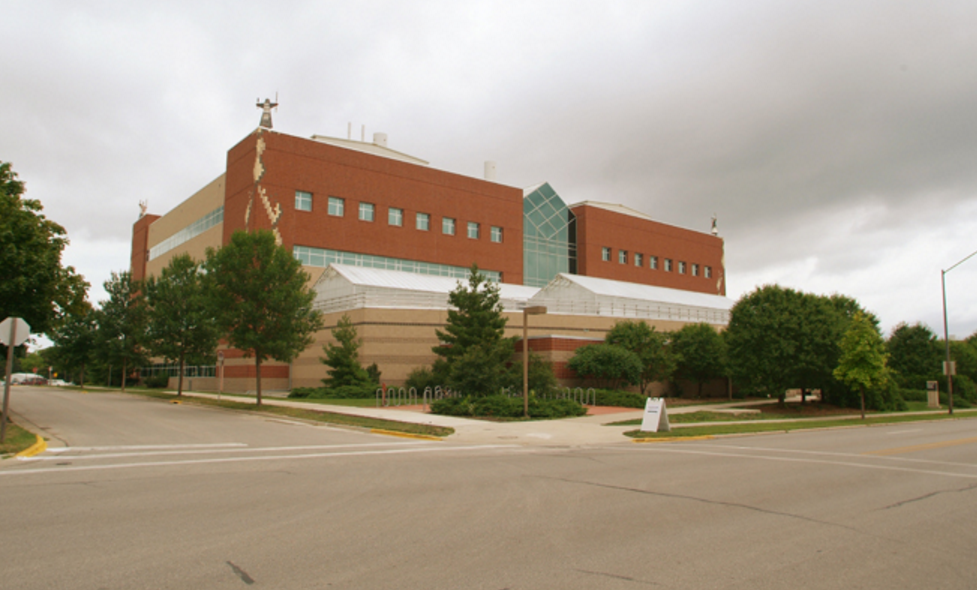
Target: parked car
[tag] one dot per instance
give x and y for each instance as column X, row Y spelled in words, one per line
column 59, row 383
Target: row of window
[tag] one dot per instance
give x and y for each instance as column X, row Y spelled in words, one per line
column 395, row 217
column 669, row 265
column 186, row 234
column 322, row 258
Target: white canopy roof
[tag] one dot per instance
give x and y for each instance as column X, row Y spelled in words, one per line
column 580, row 295
column 342, row 287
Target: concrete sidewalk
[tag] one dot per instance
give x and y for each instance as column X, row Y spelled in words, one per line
column 568, row 432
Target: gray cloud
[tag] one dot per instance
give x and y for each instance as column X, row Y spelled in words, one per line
column 831, row 138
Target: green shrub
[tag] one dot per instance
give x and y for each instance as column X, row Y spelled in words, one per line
column 341, row 392
column 913, row 395
column 421, row 378
column 304, row 392
column 367, row 391
column 620, row 399
column 156, row 381
column 503, row 406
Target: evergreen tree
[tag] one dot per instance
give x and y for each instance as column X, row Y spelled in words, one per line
column 476, row 319
column 473, row 349
column 343, row 358
column 260, row 299
column 181, row 324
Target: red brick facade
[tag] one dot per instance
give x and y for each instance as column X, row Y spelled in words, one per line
column 140, row 246
column 293, row 164
column 599, row 228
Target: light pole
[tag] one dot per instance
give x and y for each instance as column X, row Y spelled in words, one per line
column 526, row 312
column 946, row 334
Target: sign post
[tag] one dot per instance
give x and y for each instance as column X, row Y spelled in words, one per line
column 220, row 378
column 655, row 418
column 13, row 333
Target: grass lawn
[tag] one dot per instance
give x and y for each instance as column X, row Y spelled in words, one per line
column 17, row 440
column 752, row 427
column 771, row 411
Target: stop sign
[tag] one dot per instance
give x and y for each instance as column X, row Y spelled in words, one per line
column 12, row 337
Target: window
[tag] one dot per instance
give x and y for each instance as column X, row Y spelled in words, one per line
column 395, row 216
column 638, row 259
column 336, row 206
column 681, row 268
column 605, row 254
column 423, row 221
column 448, row 226
column 366, row 211
column 653, row 262
column 303, row 201
column 695, row 270
column 668, row 265
column 473, row 230
column 622, row 256
column 496, row 234
column 707, row 272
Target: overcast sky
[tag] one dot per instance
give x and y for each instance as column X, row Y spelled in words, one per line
column 836, row 141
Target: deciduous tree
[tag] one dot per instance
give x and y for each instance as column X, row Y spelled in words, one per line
column 652, row 348
column 181, row 324
column 122, row 324
column 701, row 354
column 74, row 340
column 862, row 364
column 33, row 283
column 915, row 355
column 779, row 338
column 608, row 363
column 258, row 290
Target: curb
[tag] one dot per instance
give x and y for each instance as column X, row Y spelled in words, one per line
column 37, row 448
column 405, row 434
column 673, row 439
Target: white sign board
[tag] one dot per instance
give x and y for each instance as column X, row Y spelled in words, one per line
column 656, row 417
column 7, row 329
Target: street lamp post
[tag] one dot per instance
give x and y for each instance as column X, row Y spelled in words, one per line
column 526, row 312
column 948, row 367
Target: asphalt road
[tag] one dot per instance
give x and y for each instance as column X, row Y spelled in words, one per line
column 153, row 495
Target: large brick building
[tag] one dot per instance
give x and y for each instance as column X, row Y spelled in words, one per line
column 361, row 204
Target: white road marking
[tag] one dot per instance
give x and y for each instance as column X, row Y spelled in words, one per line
column 242, row 459
column 663, row 448
column 241, row 449
column 905, row 431
column 147, row 447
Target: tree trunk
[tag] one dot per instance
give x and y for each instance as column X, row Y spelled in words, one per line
column 699, row 392
column 863, row 402
column 803, row 395
column 123, row 374
column 179, row 381
column 83, row 375
column 257, row 378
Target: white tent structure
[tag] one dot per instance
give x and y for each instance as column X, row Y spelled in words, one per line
column 579, row 295
column 342, row 288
